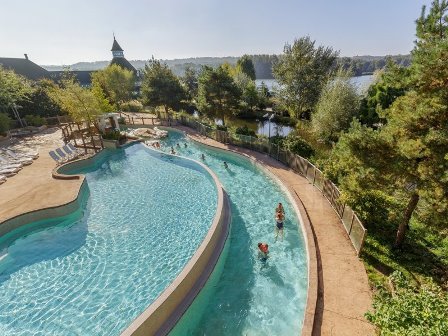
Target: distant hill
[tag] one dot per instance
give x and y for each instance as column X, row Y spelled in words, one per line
column 361, row 65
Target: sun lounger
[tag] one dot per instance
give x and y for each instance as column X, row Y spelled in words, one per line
column 74, row 149
column 23, row 161
column 4, row 163
column 62, row 154
column 71, row 154
column 19, row 156
column 9, row 172
column 56, row 157
column 25, row 151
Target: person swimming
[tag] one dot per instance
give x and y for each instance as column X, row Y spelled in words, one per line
column 263, row 250
column 177, row 145
column 173, row 151
column 280, row 208
column 185, row 145
column 202, row 156
column 226, row 166
column 279, row 218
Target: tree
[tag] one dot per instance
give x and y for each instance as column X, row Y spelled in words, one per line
column 5, row 123
column 39, row 103
column 13, row 89
column 82, row 104
column 116, row 83
column 391, row 83
column 246, row 66
column 336, row 108
column 161, row 87
column 218, row 94
column 248, row 89
column 190, row 82
column 302, row 72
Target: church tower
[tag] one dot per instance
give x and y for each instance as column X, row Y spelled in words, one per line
column 118, row 57
column 116, row 49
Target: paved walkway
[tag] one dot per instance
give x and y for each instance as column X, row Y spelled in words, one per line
column 34, row 187
column 343, row 292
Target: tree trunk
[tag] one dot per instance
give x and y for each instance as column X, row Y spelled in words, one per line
column 401, row 233
column 222, row 117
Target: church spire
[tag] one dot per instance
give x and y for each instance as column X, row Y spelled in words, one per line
column 116, row 49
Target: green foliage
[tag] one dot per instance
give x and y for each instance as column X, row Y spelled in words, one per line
column 410, row 311
column 190, row 82
column 218, row 95
column 297, row 145
column 336, row 108
column 302, row 72
column 161, row 87
column 33, row 120
column 246, row 66
column 249, row 97
column 391, row 83
column 80, row 103
column 5, row 123
column 115, row 82
column 113, row 135
column 13, row 89
column 39, row 102
column 221, row 128
column 132, row 106
column 244, row 130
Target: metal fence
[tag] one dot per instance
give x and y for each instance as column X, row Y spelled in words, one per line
column 353, row 226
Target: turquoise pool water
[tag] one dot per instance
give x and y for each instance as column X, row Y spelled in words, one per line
column 94, row 271
column 251, row 297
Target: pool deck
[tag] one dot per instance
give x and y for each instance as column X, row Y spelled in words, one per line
column 34, row 188
column 344, row 294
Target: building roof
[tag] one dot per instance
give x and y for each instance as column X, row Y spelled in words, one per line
column 24, row 67
column 116, row 46
column 83, row 77
column 124, row 63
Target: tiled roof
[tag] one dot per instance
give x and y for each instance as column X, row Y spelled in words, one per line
column 24, row 67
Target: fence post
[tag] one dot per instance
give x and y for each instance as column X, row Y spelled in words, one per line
column 314, row 178
column 351, row 223
column 362, row 242
column 143, row 121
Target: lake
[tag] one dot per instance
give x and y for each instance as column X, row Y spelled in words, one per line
column 362, row 82
column 267, row 128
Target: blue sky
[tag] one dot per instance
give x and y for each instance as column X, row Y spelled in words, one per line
column 64, row 32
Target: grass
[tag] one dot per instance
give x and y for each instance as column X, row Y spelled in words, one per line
column 424, row 255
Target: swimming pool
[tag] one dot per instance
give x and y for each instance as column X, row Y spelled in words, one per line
column 94, row 271
column 251, row 297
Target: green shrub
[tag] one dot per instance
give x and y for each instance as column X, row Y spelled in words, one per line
column 5, row 123
column 122, row 121
column 297, row 145
column 132, row 106
column 221, row 128
column 244, row 130
column 409, row 310
column 113, row 135
column 34, row 120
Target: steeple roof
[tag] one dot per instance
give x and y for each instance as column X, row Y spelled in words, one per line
column 116, row 46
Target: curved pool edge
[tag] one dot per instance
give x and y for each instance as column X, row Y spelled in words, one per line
column 306, row 227
column 163, row 314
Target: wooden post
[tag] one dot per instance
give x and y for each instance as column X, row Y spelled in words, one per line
column 82, row 138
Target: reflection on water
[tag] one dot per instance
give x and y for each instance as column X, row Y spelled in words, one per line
column 259, row 126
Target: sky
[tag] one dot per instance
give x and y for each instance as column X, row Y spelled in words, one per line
column 65, row 32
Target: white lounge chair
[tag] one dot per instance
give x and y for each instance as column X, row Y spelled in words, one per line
column 19, row 156
column 25, row 151
column 4, row 163
column 9, row 172
column 23, row 161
